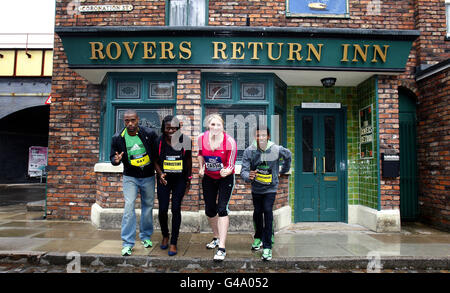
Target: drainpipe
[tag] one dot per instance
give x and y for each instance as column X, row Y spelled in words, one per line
column 45, row 203
column 378, row 143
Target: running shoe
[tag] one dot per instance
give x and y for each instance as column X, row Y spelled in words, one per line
column 213, row 244
column 220, row 255
column 147, row 243
column 126, row 250
column 267, row 254
column 257, row 244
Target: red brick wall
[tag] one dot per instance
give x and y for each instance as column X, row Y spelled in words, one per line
column 393, row 14
column 389, row 133
column 431, row 45
column 109, row 190
column 73, row 142
column 433, row 149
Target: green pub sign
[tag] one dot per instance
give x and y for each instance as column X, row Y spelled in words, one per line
column 234, row 50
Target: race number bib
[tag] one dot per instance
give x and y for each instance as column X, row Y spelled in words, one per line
column 140, row 160
column 263, row 175
column 173, row 164
column 213, row 164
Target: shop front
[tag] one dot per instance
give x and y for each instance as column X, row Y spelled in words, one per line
column 329, row 95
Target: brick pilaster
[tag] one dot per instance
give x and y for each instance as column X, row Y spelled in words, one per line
column 389, row 133
column 189, row 109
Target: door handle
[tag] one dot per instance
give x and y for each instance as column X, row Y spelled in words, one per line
column 315, row 165
column 323, row 171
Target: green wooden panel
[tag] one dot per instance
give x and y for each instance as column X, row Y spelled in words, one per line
column 307, row 199
column 330, row 156
column 409, row 204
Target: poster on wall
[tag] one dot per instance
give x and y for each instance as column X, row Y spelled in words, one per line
column 366, row 133
column 37, row 160
column 318, row 8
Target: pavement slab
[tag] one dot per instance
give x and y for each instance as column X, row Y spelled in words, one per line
column 301, row 246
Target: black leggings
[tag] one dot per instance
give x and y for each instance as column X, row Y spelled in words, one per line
column 217, row 204
column 263, row 217
column 176, row 184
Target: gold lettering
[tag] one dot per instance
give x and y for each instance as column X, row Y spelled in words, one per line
column 221, row 50
column 255, row 46
column 345, row 53
column 129, row 51
column 96, row 50
column 237, row 49
column 269, row 53
column 312, row 49
column 377, row 49
column 118, row 51
column 165, row 50
column 148, row 50
column 186, row 50
column 359, row 51
column 296, row 51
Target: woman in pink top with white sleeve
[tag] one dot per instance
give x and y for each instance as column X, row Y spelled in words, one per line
column 217, row 157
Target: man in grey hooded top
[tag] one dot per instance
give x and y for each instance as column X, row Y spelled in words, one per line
column 261, row 168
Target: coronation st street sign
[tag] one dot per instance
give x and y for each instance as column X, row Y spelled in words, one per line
column 88, row 52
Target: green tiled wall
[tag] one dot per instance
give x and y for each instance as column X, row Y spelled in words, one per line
column 368, row 169
column 362, row 174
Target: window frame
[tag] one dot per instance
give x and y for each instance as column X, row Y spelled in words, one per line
column 111, row 103
column 167, row 8
column 447, row 19
column 270, row 80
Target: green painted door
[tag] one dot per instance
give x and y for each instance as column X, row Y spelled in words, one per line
column 319, row 165
column 409, row 203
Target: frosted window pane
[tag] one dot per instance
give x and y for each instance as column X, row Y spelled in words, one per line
column 447, row 10
column 187, row 13
column 197, row 12
column 178, row 13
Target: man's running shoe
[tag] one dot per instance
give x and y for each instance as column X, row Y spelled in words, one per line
column 257, row 244
column 267, row 254
column 220, row 255
column 147, row 243
column 126, row 250
column 213, row 244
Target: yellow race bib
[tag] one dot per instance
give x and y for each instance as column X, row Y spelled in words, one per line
column 263, row 174
column 263, row 178
column 140, row 161
column 175, row 166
